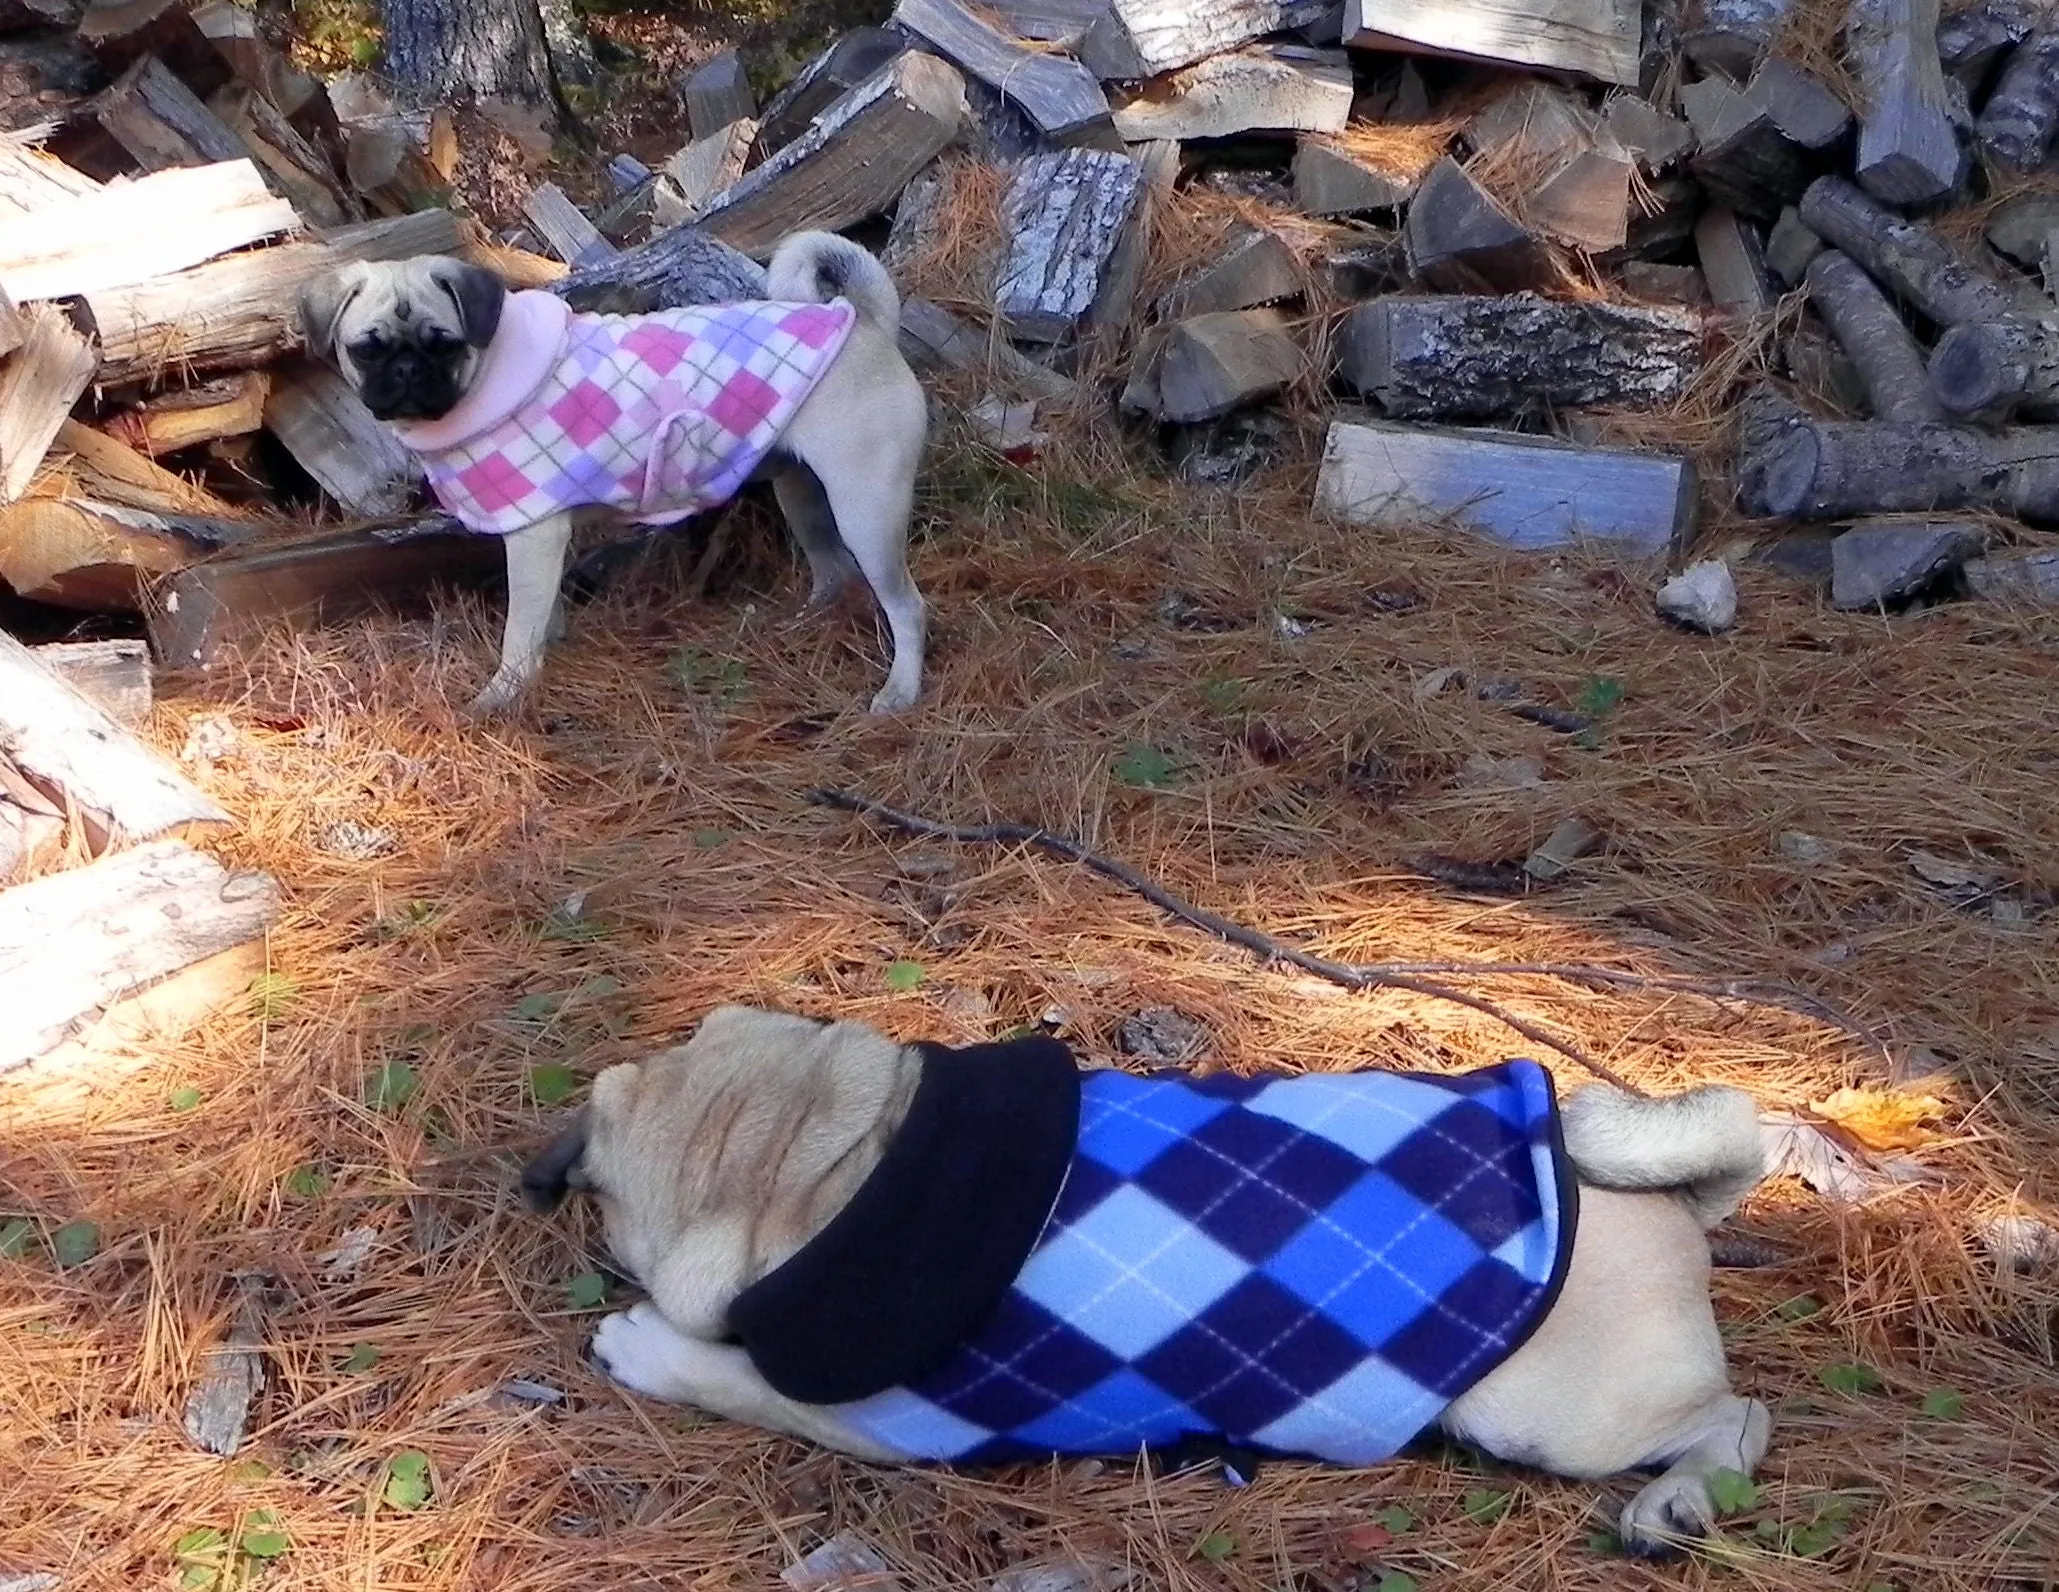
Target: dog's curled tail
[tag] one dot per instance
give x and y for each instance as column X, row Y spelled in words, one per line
column 1704, row 1144
column 815, row 267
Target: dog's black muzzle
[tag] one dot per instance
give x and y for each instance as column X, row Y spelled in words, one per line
column 409, row 383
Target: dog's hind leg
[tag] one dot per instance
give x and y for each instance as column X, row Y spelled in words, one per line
column 806, row 508
column 872, row 519
column 1731, row 1434
column 536, row 568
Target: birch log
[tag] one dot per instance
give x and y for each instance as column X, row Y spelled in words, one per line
column 1908, row 146
column 1870, row 330
column 1063, row 217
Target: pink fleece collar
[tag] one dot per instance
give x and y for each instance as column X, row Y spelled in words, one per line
column 525, row 347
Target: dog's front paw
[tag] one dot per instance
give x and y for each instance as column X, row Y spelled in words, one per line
column 496, row 701
column 894, row 698
column 635, row 1348
column 1675, row 1509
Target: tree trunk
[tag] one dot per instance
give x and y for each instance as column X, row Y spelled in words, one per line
column 442, row 50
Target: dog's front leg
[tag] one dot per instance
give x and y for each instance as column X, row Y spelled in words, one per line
column 536, row 569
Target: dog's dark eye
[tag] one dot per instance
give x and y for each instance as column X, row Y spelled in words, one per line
column 369, row 346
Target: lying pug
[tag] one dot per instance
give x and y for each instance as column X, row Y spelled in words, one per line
column 524, row 412
column 920, row 1253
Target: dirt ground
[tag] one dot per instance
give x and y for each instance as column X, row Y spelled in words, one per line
column 1214, row 688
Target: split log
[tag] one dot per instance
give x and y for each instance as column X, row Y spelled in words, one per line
column 163, row 123
column 1282, row 88
column 89, row 463
column 46, row 80
column 113, row 675
column 1599, row 38
column 1330, row 180
column 74, row 943
column 73, row 752
column 2022, row 577
column 1460, row 240
column 1063, row 217
column 1733, row 263
column 2019, row 227
column 717, row 94
column 1972, row 40
column 292, row 164
column 1792, row 466
column 321, row 580
column 1871, row 332
column 358, row 461
column 934, row 339
column 31, row 181
column 1521, row 491
column 96, row 557
column 1573, row 180
column 1254, row 267
column 231, row 406
column 1908, row 146
column 1362, row 271
column 1212, row 364
column 1436, row 356
column 1759, row 148
column 998, row 132
column 563, row 226
column 856, row 57
column 702, row 170
column 1654, row 138
column 231, row 1378
column 1125, row 40
column 160, row 223
column 1734, row 36
column 237, row 312
column 2017, row 124
column 1876, row 566
column 232, row 29
column 122, row 32
column 14, row 330
column 1665, row 284
column 1790, row 246
column 1059, row 95
column 852, row 163
column 675, row 269
column 39, row 383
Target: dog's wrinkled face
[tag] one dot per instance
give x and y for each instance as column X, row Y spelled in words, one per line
column 407, row 334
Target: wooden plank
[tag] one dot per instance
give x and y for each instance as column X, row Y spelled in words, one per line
column 1460, row 240
column 1909, row 150
column 1058, row 94
column 239, row 311
column 163, row 222
column 717, row 94
column 1421, row 355
column 1280, row 88
column 1212, row 364
column 230, row 406
column 360, row 463
column 163, row 123
column 112, row 675
column 700, row 171
column 73, row 751
column 1521, row 491
column 563, row 226
column 1254, row 267
column 96, row 557
column 324, row 579
column 1598, row 38
column 852, row 163
column 1063, row 217
column 74, row 943
column 39, row 383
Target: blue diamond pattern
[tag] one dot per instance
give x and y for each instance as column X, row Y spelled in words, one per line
column 1474, row 1168
column 1126, row 1122
column 1250, row 1182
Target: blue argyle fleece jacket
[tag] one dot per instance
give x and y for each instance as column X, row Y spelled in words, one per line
column 1310, row 1266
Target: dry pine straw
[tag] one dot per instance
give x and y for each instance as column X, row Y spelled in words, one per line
column 1304, row 773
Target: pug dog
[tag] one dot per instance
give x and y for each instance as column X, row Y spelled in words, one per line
column 915, row 1253
column 524, row 413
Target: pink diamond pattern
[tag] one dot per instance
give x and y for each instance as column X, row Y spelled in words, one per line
column 586, row 412
column 658, row 346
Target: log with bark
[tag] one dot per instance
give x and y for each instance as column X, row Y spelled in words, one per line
column 233, row 30
column 1909, row 150
column 675, row 269
column 39, row 383
column 1279, row 88
column 1974, row 39
column 1599, row 38
column 857, row 56
column 852, row 163
column 1434, row 356
column 1870, row 330
column 1790, row 246
column 229, row 406
column 1209, row 365
column 1125, row 40
column 1062, row 219
column 163, row 123
column 357, row 460
column 239, row 311
column 1521, row 491
column 460, row 51
column 73, row 944
column 1734, row 36
column 2017, row 125
column 1759, row 148
column 717, row 94
column 1060, row 96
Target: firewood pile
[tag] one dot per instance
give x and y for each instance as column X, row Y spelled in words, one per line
column 1478, row 238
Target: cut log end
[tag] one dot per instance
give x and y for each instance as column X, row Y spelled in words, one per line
column 1777, row 470
column 1976, row 374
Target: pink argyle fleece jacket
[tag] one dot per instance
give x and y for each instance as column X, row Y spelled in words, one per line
column 658, row 416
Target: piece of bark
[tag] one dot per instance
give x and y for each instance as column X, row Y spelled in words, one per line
column 564, row 227
column 1733, row 263
column 74, row 752
column 1791, row 466
column 1281, row 88
column 97, row 557
column 1460, row 240
column 700, row 171
column 77, row 942
column 678, row 268
column 159, row 223
column 855, row 57
column 1063, row 217
column 1664, row 284
column 1972, row 40
column 1521, row 491
column 240, row 311
column 39, row 383
column 1653, row 138
column 1734, row 36
column 292, row 165
column 1329, row 180
column 1909, row 150
column 358, row 461
column 1212, row 364
column 113, row 675
column 1790, row 246
column 321, row 580
column 1254, row 267
column 1060, row 96
column 162, row 123
column 229, row 406
column 851, row 163
column 1598, row 38
column 1419, row 355
column 231, row 1378
column 717, row 94
column 2017, row 125
column 1875, row 566
column 931, row 338
column 1870, row 330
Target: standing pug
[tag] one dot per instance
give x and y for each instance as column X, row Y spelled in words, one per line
column 524, row 412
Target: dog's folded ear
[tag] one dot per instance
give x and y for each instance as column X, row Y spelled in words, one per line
column 478, row 295
column 322, row 303
column 554, row 1172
